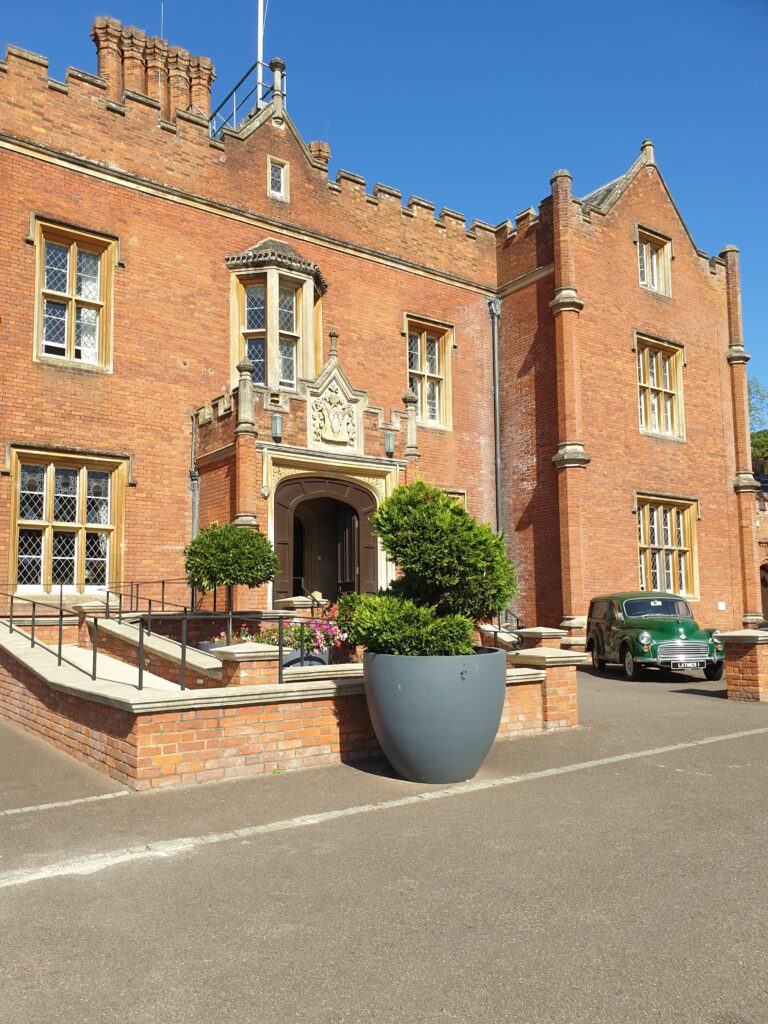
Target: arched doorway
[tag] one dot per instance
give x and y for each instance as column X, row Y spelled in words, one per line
column 323, row 538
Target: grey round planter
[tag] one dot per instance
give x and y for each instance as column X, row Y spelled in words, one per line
column 436, row 717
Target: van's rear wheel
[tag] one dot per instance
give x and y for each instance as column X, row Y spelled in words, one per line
column 597, row 661
column 631, row 669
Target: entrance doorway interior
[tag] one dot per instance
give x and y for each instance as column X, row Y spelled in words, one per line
column 323, row 538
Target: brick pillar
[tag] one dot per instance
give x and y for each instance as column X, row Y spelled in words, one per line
column 248, row 665
column 744, row 483
column 541, row 636
column 157, row 74
column 559, row 691
column 134, row 61
column 178, row 79
column 106, row 34
column 412, row 454
column 201, row 75
column 570, row 459
column 746, row 664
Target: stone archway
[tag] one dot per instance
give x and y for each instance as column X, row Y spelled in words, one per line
column 321, row 528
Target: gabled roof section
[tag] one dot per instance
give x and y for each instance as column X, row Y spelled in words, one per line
column 274, row 253
column 602, row 199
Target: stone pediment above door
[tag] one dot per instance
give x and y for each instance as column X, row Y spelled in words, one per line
column 335, row 420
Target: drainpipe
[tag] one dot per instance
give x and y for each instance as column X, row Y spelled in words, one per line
column 194, row 480
column 494, row 311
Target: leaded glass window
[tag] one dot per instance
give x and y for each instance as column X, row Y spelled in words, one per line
column 72, row 302
column 71, row 505
column 287, row 310
column 288, row 362
column 666, row 545
column 276, row 178
column 29, row 565
column 96, row 558
column 255, row 348
column 63, row 561
column 32, row 493
column 97, row 501
column 65, row 495
column 659, row 381
column 255, row 308
column 426, row 352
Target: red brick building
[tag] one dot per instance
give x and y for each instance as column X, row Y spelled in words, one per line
column 204, row 327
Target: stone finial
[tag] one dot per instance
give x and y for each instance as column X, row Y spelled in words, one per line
column 277, row 67
column 561, row 173
column 334, row 336
column 409, row 399
column 320, row 152
column 646, row 149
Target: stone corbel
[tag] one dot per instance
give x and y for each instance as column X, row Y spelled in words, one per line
column 566, row 300
column 570, row 454
column 737, row 354
column 744, row 481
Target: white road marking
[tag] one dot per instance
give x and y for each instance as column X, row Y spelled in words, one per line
column 168, row 848
column 62, row 803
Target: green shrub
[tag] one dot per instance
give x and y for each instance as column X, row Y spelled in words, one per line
column 387, row 624
column 229, row 555
column 448, row 560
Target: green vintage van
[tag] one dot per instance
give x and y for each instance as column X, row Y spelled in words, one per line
column 650, row 629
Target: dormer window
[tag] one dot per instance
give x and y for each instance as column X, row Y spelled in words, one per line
column 276, row 304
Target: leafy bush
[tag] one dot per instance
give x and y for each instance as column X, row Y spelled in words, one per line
column 388, row 624
column 229, row 555
column 448, row 560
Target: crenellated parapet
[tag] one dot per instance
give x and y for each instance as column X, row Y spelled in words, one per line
column 143, row 119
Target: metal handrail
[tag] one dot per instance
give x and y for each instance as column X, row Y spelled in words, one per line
column 143, row 623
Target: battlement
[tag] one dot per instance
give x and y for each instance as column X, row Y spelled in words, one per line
column 144, row 116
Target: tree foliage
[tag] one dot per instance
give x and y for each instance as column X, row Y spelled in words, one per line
column 394, row 625
column 229, row 555
column 448, row 560
column 758, row 417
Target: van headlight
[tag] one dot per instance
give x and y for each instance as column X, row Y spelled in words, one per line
column 645, row 637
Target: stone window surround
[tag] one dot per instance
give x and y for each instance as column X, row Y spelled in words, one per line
column 118, row 470
column 692, row 511
column 663, row 244
column 447, row 339
column 283, row 196
column 642, row 341
column 44, row 229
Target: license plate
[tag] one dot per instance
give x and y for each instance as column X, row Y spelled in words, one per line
column 688, row 664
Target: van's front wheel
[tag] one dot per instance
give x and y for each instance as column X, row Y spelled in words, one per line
column 632, row 670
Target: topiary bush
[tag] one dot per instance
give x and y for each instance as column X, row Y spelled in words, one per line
column 394, row 625
column 447, row 559
column 454, row 573
column 229, row 556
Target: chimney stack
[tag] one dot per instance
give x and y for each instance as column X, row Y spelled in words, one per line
column 321, row 152
column 128, row 61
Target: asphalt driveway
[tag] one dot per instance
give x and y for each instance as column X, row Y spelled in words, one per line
column 612, row 873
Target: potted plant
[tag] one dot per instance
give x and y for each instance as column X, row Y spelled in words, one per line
column 306, row 641
column 228, row 556
column 435, row 700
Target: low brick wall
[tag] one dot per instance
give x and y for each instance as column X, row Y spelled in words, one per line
column 746, row 664
column 101, row 736
column 281, row 728
column 127, row 652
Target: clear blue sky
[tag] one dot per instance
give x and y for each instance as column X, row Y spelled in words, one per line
column 473, row 105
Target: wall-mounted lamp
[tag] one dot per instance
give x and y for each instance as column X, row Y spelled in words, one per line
column 389, row 442
column 277, row 427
